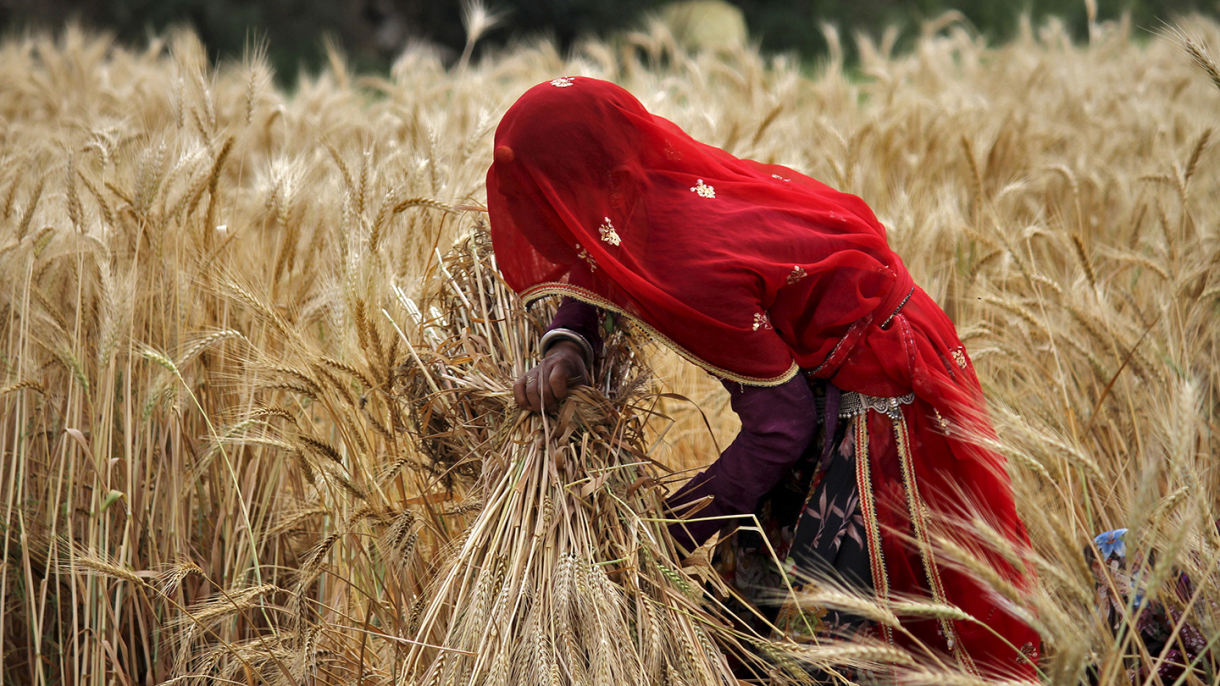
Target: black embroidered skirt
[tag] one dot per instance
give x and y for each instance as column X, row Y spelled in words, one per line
column 811, row 524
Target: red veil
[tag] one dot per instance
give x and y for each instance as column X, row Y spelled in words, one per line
column 755, row 272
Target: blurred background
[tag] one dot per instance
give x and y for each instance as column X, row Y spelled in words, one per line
column 373, row 32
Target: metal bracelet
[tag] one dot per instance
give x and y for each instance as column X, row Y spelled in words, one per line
column 554, row 335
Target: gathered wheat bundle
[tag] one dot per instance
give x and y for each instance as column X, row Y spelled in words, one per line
column 567, row 574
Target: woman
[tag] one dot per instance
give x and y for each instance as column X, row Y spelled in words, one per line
column 786, row 290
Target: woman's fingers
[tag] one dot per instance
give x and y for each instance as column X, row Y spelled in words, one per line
column 536, row 390
column 519, row 390
column 546, row 384
column 533, row 390
column 557, row 384
column 526, row 391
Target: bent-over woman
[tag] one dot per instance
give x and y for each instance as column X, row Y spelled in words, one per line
column 788, row 292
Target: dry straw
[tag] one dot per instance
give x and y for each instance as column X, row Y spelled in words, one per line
column 569, row 557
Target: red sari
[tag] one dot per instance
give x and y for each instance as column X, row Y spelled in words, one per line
column 755, row 272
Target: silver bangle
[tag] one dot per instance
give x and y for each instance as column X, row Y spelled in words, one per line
column 555, row 335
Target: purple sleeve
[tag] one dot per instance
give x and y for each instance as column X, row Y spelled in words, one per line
column 579, row 317
column 777, row 425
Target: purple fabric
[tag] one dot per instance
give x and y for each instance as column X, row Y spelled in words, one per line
column 831, row 422
column 777, row 425
column 579, row 317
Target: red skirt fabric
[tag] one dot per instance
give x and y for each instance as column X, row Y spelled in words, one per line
column 925, row 512
column 938, row 493
column 872, row 518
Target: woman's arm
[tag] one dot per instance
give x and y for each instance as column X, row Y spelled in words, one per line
column 777, row 425
column 579, row 318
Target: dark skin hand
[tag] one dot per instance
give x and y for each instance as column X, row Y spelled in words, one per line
column 552, row 380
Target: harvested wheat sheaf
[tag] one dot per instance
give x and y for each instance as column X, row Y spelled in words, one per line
column 566, row 575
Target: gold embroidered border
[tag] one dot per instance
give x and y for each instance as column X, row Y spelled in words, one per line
column 578, row 293
column 918, row 511
column 868, row 509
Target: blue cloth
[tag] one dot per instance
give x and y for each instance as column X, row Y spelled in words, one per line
column 1111, row 544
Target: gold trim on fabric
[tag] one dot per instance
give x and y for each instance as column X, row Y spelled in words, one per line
column 578, row 293
column 919, row 522
column 868, row 510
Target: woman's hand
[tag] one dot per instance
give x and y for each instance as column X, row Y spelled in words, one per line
column 546, row 384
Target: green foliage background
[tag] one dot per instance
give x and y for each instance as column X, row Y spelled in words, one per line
column 790, row 25
column 372, row 32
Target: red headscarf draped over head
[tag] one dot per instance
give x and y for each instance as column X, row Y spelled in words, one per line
column 749, row 270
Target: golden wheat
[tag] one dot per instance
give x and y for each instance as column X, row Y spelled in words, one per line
column 207, row 413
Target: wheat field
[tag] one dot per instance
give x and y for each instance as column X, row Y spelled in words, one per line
column 207, row 285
